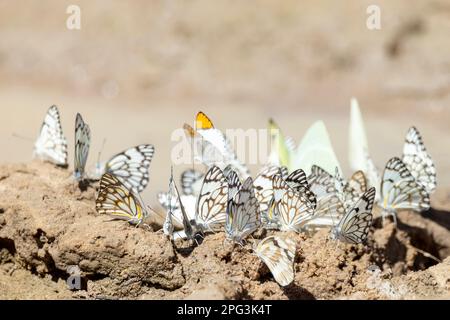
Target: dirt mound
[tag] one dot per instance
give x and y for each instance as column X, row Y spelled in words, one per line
column 49, row 228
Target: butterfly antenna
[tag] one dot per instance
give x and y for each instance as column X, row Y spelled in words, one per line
column 15, row 135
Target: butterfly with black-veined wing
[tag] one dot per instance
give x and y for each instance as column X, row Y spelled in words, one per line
column 131, row 166
column 354, row 225
column 212, row 202
column 329, row 208
column 278, row 253
column 263, row 184
column 243, row 212
column 350, row 191
column 400, row 190
column 51, row 145
column 191, row 182
column 116, row 200
column 418, row 161
column 82, row 144
column 293, row 209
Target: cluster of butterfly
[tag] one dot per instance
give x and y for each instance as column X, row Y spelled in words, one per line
column 281, row 197
column 130, row 167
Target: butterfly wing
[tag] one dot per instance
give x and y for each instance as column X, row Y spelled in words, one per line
column 294, row 210
column 221, row 153
column 418, row 161
column 131, row 166
column 400, row 190
column 213, row 199
column 278, row 253
column 243, row 214
column 263, row 184
column 82, row 144
column 354, row 226
column 191, row 182
column 116, row 200
column 297, row 181
column 51, row 145
column 279, row 155
column 315, row 149
column 329, row 208
column 359, row 156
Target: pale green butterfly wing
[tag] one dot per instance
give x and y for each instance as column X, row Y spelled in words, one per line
column 315, row 149
column 359, row 157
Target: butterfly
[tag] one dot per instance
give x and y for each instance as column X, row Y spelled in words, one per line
column 329, row 208
column 191, row 182
column 51, row 145
column 131, row 166
column 281, row 148
column 212, row 202
column 354, row 226
column 359, row 156
column 234, row 185
column 243, row 212
column 115, row 199
column 278, row 253
column 293, row 209
column 315, row 149
column 82, row 143
column 350, row 191
column 418, row 161
column 263, row 184
column 213, row 146
column 400, row 190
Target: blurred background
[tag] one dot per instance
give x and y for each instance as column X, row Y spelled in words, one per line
column 138, row 70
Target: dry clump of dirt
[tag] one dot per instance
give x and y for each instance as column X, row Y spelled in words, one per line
column 48, row 226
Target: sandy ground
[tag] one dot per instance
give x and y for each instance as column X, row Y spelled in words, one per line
column 48, row 226
column 137, row 71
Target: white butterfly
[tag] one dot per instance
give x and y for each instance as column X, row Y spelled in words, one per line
column 82, row 143
column 115, row 199
column 354, row 226
column 243, row 213
column 350, row 191
column 130, row 166
column 213, row 147
column 51, row 145
column 359, row 156
column 418, row 161
column 191, row 182
column 278, row 253
column 234, row 185
column 212, row 202
column 184, row 218
column 400, row 190
column 172, row 202
column 329, row 208
column 263, row 184
column 293, row 209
